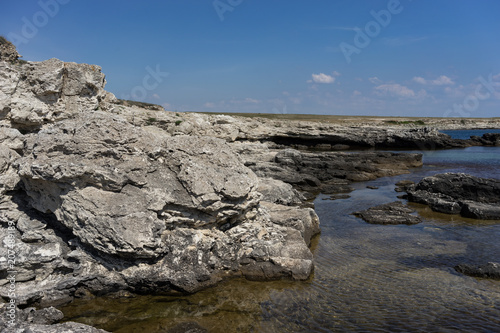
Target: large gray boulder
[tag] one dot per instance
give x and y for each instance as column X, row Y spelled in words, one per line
column 100, row 176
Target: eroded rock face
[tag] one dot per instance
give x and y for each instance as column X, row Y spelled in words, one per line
column 37, row 93
column 104, row 206
column 459, row 193
column 118, row 187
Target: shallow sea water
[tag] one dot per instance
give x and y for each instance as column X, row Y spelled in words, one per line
column 368, row 278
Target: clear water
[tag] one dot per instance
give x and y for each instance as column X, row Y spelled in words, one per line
column 368, row 278
column 466, row 134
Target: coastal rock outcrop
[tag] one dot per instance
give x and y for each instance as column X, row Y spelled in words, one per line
column 459, row 193
column 102, row 197
column 327, row 172
column 104, row 206
column 488, row 139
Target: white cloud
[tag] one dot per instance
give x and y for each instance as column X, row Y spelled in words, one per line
column 496, row 77
column 356, row 93
column 322, row 78
column 156, row 96
column 420, row 80
column 394, row 90
column 251, row 100
column 209, row 105
column 375, row 80
column 443, row 80
column 167, row 106
column 335, row 73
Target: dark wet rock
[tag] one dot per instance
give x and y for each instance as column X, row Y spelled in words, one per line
column 372, row 187
column 327, row 172
column 459, row 193
column 391, row 213
column 403, row 185
column 488, row 139
column 189, row 327
column 490, row 270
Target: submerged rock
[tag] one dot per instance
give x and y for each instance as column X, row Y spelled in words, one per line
column 490, row 270
column 459, row 193
column 390, row 213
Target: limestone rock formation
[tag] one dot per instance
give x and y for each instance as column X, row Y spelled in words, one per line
column 37, row 93
column 459, row 193
column 104, row 206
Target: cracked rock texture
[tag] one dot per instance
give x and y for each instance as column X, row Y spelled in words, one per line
column 36, row 93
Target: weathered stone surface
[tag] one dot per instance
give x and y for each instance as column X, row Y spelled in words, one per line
column 8, row 51
column 490, row 270
column 279, row 192
column 391, row 213
column 38, row 93
column 8, row 174
column 458, row 193
column 99, row 180
column 105, row 206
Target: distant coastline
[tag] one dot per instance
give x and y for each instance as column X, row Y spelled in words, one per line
column 379, row 121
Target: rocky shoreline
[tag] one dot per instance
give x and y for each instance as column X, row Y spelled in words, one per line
column 100, row 197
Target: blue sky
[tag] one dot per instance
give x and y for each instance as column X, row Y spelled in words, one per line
column 344, row 57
